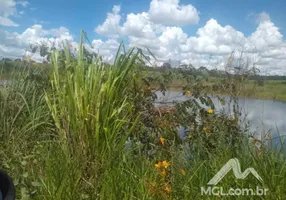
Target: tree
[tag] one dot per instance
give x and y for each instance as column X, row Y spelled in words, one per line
column 167, row 66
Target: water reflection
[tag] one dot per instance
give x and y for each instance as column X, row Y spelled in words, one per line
column 263, row 115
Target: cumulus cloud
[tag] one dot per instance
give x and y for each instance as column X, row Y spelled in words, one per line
column 270, row 46
column 105, row 49
column 263, row 16
column 17, row 45
column 267, row 35
column 170, row 12
column 111, row 26
column 139, row 25
column 214, row 39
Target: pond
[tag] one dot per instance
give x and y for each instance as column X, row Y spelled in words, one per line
column 263, row 115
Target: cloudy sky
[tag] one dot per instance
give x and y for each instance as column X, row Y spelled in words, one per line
column 197, row 32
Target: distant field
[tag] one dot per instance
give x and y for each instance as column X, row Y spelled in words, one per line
column 275, row 90
column 272, row 89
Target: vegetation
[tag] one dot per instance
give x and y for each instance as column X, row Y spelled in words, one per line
column 90, row 130
column 259, row 87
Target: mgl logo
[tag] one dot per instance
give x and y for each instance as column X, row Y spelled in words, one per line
column 234, row 165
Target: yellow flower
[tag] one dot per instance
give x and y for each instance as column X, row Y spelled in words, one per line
column 164, row 172
column 229, row 59
column 183, row 172
column 166, row 164
column 259, row 153
column 188, row 93
column 168, row 189
column 162, row 140
column 210, row 111
column 158, row 164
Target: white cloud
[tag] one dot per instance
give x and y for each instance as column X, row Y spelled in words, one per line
column 139, row 25
column 16, row 45
column 4, row 21
column 270, row 46
column 266, row 35
column 111, row 26
column 40, row 21
column 214, row 39
column 170, row 12
column 8, row 9
column 105, row 49
column 263, row 16
column 23, row 3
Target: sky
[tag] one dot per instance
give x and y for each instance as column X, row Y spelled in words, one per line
column 198, row 32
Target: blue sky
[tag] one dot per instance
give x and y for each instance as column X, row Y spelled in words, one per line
column 180, row 30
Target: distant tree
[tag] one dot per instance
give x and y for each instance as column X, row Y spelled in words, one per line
column 166, row 66
column 260, row 82
column 33, row 48
column 6, row 59
column 17, row 60
column 203, row 69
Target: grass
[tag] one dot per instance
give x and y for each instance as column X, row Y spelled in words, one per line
column 89, row 130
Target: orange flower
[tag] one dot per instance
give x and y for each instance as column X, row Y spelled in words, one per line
column 183, row 172
column 162, row 140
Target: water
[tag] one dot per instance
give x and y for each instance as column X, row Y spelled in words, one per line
column 263, row 115
column 3, row 82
